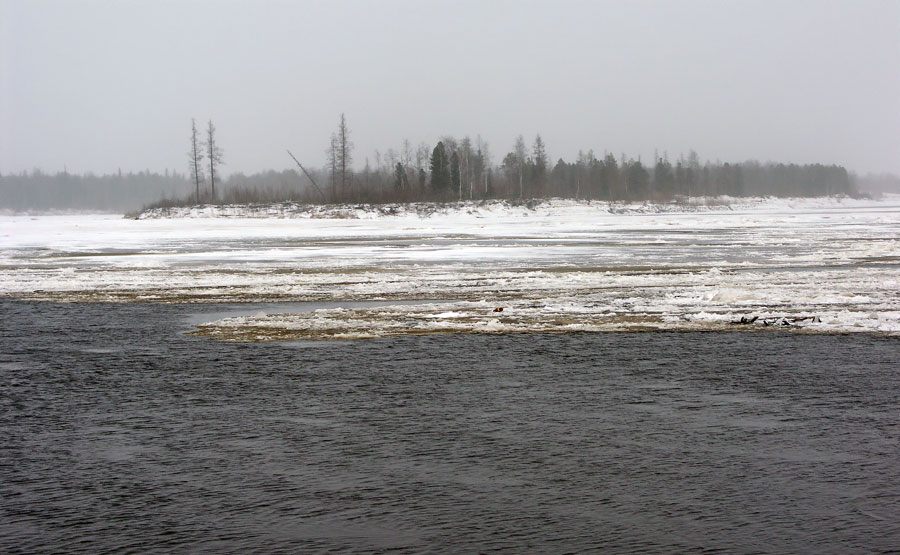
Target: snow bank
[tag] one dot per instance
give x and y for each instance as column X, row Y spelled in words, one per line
column 292, row 210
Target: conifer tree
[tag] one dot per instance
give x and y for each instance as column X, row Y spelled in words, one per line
column 440, row 171
column 399, row 177
column 423, row 177
column 611, row 173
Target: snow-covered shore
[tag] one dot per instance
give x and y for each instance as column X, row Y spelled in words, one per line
column 483, row 208
column 553, row 266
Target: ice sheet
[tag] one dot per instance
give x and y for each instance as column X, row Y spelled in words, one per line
column 829, row 265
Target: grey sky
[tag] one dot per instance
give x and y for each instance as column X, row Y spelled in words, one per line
column 100, row 85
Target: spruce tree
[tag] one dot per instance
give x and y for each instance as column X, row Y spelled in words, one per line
column 440, row 170
column 423, row 177
column 399, row 176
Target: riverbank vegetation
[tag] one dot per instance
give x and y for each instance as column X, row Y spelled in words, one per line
column 452, row 169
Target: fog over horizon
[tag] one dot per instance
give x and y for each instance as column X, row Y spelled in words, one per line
column 97, row 86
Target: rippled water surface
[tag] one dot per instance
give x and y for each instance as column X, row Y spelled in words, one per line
column 118, row 432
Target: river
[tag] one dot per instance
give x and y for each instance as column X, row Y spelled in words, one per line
column 119, row 432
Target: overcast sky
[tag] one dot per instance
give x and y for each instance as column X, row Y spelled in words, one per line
column 101, row 85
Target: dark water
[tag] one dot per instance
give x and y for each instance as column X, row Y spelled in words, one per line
column 120, row 433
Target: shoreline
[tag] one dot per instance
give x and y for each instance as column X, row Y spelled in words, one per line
column 289, row 209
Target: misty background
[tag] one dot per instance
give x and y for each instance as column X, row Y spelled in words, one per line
column 108, row 87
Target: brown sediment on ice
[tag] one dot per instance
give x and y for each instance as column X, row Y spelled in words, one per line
column 384, row 322
column 258, row 333
column 515, row 312
column 254, row 334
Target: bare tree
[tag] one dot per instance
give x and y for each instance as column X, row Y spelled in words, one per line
column 539, row 157
column 406, row 153
column 406, row 157
column 345, row 153
column 367, row 170
column 422, row 159
column 195, row 158
column 214, row 153
column 333, row 163
column 465, row 149
column 308, row 175
column 423, row 151
column 520, row 154
column 484, row 165
column 390, row 160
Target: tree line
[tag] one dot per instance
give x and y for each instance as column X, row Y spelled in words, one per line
column 116, row 192
column 463, row 170
column 452, row 169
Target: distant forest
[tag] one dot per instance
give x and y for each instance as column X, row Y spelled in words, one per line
column 450, row 170
column 118, row 192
